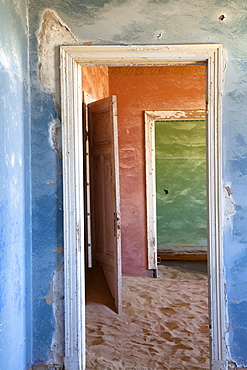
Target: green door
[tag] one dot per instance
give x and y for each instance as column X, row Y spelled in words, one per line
column 180, row 159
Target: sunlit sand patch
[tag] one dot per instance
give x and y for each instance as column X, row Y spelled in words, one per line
column 164, row 325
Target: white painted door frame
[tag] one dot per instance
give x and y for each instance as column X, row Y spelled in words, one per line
column 72, row 58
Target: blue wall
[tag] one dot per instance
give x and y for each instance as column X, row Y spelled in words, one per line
column 47, row 218
column 130, row 22
column 15, row 256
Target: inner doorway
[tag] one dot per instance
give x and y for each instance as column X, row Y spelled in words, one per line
column 176, row 179
column 72, row 57
column 138, row 88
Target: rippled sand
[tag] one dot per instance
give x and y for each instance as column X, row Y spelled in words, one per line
column 164, row 325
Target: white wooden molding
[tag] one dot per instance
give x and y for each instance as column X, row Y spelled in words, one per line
column 72, row 141
column 72, row 57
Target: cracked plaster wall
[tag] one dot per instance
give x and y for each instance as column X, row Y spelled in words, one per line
column 138, row 22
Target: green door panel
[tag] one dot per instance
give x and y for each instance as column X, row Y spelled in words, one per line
column 180, row 156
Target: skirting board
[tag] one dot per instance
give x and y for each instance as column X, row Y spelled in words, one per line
column 171, row 256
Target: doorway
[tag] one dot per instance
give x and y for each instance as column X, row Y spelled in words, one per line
column 72, row 58
column 176, row 184
column 128, row 82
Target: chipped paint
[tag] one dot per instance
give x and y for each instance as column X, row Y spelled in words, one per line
column 60, row 250
column 55, row 136
column 233, row 366
column 57, row 347
column 229, row 204
column 55, row 298
column 229, row 190
column 53, row 33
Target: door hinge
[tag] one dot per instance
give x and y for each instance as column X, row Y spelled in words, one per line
column 117, row 224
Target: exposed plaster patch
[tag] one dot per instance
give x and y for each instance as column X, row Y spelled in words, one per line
column 55, row 136
column 233, row 366
column 53, row 33
column 57, row 350
column 55, row 298
column 229, row 204
column 60, row 250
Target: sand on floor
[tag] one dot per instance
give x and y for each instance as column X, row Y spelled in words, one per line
column 164, row 324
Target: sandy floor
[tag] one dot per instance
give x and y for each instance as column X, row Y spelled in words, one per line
column 164, row 325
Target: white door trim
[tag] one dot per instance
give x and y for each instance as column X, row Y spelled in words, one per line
column 71, row 59
column 73, row 206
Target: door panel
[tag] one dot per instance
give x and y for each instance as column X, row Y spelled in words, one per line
column 105, row 199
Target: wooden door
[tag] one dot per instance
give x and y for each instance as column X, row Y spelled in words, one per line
column 104, row 191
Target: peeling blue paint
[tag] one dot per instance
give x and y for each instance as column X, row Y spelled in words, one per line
column 47, row 222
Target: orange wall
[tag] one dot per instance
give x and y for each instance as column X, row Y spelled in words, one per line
column 139, row 89
column 95, row 81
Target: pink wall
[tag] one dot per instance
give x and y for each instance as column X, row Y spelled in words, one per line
column 139, row 89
